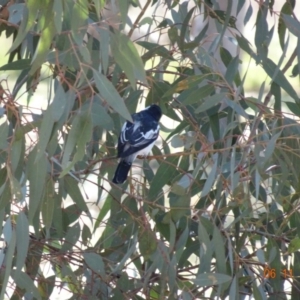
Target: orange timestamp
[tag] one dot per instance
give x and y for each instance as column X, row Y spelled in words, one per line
column 271, row 273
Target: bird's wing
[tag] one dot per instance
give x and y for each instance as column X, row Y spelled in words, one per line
column 137, row 136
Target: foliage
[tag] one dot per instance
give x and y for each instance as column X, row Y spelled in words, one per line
column 215, row 212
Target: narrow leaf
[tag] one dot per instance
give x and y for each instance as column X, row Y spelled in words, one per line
column 48, row 204
column 108, row 92
column 36, row 173
column 16, row 65
column 163, row 175
column 9, row 256
column 211, row 178
column 209, row 279
column 128, row 58
column 95, row 262
column 73, row 190
column 80, row 134
column 22, row 230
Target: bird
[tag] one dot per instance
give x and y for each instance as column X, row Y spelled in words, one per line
column 137, row 138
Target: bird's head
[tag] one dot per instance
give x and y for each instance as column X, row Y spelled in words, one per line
column 155, row 111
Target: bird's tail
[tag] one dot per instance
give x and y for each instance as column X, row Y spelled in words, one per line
column 121, row 172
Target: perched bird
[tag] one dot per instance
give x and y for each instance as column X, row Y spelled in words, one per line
column 137, row 138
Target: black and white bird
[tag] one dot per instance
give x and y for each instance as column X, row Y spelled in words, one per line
column 137, row 138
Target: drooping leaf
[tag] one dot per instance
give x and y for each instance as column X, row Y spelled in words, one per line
column 75, row 193
column 128, row 58
column 78, row 137
column 9, row 255
column 108, row 93
column 164, row 173
column 210, row 279
column 16, row 65
column 22, row 231
column 95, row 262
column 36, row 173
column 48, row 204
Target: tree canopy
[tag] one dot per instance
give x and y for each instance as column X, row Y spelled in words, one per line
column 212, row 213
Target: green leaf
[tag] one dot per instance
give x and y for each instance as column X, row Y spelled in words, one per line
column 5, row 195
column 58, row 16
column 236, row 107
column 17, row 151
column 104, row 46
column 153, row 50
column 156, row 92
column 45, row 39
column 147, row 243
column 128, row 254
column 226, row 56
column 108, row 92
column 276, row 92
column 233, row 293
column 232, row 69
column 9, row 255
column 270, row 67
column 99, row 115
column 79, row 20
column 124, row 5
column 248, row 14
column 165, row 172
column 173, row 35
column 258, row 293
column 95, row 262
column 286, row 9
column 294, row 245
column 80, row 134
column 20, row 64
column 211, row 178
column 180, row 206
column 52, row 115
column 209, row 102
column 73, row 190
column 71, row 237
column 29, row 18
column 198, row 94
column 223, row 17
column 185, row 84
column 48, row 204
column 16, row 188
column 184, row 27
column 3, row 133
column 209, row 279
column 245, row 45
column 172, row 273
column 181, row 243
column 219, row 248
column 22, row 230
column 146, row 20
column 103, row 211
column 24, row 281
column 271, row 146
column 292, row 24
column 127, row 57
column 36, row 174
column 261, row 33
